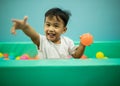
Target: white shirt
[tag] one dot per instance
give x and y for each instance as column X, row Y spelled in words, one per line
column 49, row 50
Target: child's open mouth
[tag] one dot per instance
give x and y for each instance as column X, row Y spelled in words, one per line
column 51, row 35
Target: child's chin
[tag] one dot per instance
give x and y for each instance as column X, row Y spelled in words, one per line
column 51, row 39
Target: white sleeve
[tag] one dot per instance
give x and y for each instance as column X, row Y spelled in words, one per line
column 72, row 47
column 41, row 52
column 41, row 42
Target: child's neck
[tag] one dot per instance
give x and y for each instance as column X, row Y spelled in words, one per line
column 57, row 41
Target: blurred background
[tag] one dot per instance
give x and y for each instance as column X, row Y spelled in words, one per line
column 99, row 17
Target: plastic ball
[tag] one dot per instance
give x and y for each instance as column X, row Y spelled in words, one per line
column 17, row 58
column 1, row 55
column 6, row 58
column 86, row 39
column 11, row 56
column 24, row 57
column 69, row 56
column 100, row 55
column 83, row 57
column 37, row 57
column 5, row 55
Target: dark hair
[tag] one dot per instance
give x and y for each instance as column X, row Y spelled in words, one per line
column 64, row 15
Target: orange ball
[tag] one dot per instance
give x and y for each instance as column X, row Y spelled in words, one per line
column 86, row 39
column 83, row 57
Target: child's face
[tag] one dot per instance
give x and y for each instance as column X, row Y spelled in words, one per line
column 53, row 28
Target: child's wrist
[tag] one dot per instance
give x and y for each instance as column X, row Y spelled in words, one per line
column 26, row 26
column 82, row 44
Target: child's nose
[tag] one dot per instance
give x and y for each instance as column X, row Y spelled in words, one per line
column 51, row 29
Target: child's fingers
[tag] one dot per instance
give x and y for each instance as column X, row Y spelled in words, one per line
column 18, row 24
column 13, row 30
column 16, row 21
column 25, row 19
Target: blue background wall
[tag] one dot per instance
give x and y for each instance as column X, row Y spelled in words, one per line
column 99, row 17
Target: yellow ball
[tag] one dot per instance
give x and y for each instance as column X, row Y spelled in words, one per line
column 100, row 55
column 1, row 55
column 18, row 58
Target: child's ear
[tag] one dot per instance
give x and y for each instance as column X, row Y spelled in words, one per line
column 65, row 29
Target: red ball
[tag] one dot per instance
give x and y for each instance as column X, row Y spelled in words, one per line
column 5, row 55
column 86, row 39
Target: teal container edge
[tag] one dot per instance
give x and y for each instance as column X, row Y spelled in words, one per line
column 110, row 49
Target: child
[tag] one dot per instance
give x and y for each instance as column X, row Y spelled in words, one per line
column 52, row 45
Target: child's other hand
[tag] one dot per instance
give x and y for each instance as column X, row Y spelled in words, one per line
column 18, row 24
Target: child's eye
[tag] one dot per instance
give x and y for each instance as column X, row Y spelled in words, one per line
column 56, row 26
column 47, row 24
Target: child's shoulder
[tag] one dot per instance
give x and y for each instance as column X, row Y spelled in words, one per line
column 66, row 39
column 43, row 37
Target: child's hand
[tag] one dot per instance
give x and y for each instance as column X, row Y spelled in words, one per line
column 86, row 39
column 18, row 24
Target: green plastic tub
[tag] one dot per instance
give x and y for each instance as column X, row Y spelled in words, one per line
column 71, row 72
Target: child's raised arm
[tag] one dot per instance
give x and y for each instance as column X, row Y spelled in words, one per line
column 26, row 28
